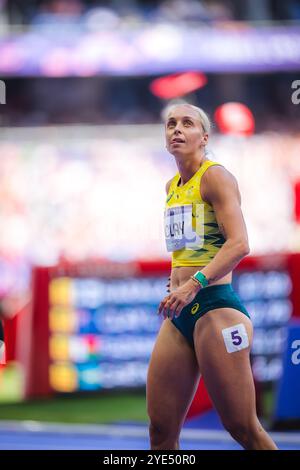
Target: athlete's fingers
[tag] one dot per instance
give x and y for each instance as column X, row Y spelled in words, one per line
column 173, row 303
column 177, row 311
column 167, row 308
column 180, row 308
column 173, row 309
column 167, row 312
column 162, row 305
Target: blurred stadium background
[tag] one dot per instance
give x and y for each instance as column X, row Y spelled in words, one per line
column 83, row 168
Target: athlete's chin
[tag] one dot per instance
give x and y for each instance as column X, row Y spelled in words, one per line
column 178, row 152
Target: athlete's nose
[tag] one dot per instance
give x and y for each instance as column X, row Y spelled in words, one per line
column 177, row 130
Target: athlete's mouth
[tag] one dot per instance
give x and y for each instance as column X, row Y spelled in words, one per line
column 177, row 140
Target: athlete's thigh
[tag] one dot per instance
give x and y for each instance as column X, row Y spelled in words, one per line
column 173, row 376
column 227, row 375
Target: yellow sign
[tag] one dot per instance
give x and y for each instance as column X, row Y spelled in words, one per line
column 63, row 377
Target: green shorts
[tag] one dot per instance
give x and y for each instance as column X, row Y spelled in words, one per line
column 209, row 298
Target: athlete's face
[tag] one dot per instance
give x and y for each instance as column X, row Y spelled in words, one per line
column 184, row 131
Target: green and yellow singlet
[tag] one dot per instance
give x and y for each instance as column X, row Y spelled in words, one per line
column 191, row 229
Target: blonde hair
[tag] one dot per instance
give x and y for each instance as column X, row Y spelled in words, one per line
column 205, row 121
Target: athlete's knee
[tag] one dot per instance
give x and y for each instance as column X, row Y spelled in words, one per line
column 241, row 430
column 158, row 432
column 163, row 435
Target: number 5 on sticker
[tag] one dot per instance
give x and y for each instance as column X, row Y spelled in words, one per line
column 235, row 338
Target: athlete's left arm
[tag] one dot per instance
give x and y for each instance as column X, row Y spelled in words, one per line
column 220, row 189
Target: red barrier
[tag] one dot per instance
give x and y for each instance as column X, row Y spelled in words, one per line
column 201, row 401
column 37, row 383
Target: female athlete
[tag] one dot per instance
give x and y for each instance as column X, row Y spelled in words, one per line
column 206, row 330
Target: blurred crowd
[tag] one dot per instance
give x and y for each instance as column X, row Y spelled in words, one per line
column 60, row 193
column 110, row 12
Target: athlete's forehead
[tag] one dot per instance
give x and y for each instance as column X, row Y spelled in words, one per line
column 182, row 111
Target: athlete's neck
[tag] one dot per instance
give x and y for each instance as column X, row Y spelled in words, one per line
column 187, row 168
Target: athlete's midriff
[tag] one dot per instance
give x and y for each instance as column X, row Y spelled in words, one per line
column 181, row 274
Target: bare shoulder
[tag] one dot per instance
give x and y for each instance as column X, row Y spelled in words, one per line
column 168, row 185
column 218, row 174
column 218, row 181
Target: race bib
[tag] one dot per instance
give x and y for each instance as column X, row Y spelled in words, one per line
column 184, row 227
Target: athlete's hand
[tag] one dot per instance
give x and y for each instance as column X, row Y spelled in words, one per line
column 173, row 303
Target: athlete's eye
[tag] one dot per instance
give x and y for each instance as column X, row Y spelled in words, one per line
column 188, row 123
column 171, row 124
